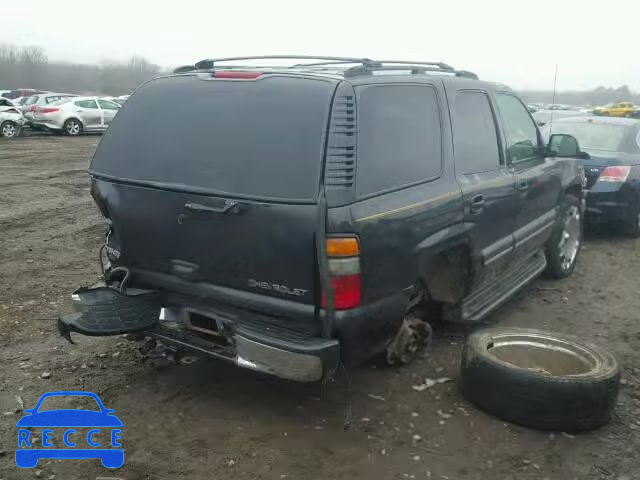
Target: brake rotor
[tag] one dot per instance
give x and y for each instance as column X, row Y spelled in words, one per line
column 413, row 337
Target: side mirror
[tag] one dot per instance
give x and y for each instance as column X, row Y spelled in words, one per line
column 561, row 145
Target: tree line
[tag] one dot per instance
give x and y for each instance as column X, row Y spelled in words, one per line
column 29, row 67
column 595, row 97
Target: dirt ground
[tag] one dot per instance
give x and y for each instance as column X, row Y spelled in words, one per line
column 209, row 420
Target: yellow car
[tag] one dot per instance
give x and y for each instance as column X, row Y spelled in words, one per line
column 621, row 109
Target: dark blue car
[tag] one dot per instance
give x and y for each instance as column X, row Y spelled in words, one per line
column 27, row 455
column 612, row 169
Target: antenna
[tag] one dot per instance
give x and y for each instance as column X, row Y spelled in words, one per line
column 553, row 100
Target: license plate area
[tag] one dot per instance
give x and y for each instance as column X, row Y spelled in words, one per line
column 209, row 323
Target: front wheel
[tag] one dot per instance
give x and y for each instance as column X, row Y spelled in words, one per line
column 564, row 244
column 72, row 127
column 9, row 129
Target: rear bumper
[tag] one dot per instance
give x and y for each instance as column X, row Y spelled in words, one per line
column 306, row 359
column 613, row 206
column 287, row 347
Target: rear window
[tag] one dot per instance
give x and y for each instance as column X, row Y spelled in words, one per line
column 593, row 136
column 399, row 139
column 262, row 138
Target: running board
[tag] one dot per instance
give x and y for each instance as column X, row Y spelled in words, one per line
column 491, row 295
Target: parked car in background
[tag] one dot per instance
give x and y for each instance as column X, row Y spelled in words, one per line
column 21, row 92
column 613, row 169
column 33, row 102
column 620, row 109
column 350, row 251
column 544, row 116
column 11, row 119
column 73, row 116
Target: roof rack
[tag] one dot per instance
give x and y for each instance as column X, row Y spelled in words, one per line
column 364, row 65
column 208, row 64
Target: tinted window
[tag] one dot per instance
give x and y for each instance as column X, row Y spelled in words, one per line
column 255, row 138
column 398, row 137
column 521, row 132
column 108, row 105
column 474, row 134
column 87, row 104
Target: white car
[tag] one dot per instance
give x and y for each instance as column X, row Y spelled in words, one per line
column 11, row 119
column 73, row 116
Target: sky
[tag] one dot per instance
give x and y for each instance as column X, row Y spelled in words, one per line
column 515, row 42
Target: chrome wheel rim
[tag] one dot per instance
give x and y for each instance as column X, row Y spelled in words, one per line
column 543, row 354
column 570, row 237
column 9, row 130
column 73, row 128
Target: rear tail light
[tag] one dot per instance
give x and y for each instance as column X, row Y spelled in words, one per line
column 344, row 270
column 49, row 110
column 237, row 75
column 32, row 108
column 615, row 174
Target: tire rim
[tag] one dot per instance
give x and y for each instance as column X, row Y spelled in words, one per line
column 9, row 130
column 73, row 128
column 570, row 238
column 543, row 354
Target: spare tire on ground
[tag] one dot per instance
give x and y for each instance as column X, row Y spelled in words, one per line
column 538, row 379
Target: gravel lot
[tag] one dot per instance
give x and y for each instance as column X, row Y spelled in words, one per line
column 209, row 420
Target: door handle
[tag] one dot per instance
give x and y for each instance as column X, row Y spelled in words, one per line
column 523, row 186
column 477, row 204
column 197, row 207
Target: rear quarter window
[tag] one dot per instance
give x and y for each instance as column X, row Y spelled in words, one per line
column 399, row 137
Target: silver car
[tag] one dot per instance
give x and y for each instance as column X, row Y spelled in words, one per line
column 74, row 116
column 42, row 99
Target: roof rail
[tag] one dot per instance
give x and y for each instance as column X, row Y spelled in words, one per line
column 364, row 65
column 208, row 64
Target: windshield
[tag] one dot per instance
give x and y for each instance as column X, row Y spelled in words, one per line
column 593, row 136
column 262, row 138
column 76, row 402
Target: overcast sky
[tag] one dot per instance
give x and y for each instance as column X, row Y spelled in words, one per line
column 512, row 41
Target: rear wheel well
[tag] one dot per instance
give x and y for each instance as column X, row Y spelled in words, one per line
column 445, row 275
column 575, row 190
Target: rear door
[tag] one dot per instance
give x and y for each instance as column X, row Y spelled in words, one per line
column 487, row 183
column 538, row 183
column 216, row 181
column 88, row 113
column 109, row 110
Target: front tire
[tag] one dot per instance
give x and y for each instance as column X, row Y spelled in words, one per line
column 563, row 247
column 9, row 129
column 72, row 127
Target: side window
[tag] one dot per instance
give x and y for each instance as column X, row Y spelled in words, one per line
column 399, row 139
column 475, row 139
column 108, row 105
column 87, row 104
column 519, row 128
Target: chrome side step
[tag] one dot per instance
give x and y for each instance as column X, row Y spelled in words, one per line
column 491, row 295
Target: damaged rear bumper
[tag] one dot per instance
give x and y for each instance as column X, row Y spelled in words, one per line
column 284, row 353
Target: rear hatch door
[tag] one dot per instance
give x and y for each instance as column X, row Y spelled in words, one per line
column 216, row 181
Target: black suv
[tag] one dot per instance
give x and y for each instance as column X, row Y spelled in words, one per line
column 291, row 218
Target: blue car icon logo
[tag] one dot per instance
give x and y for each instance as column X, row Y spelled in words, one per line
column 81, row 432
